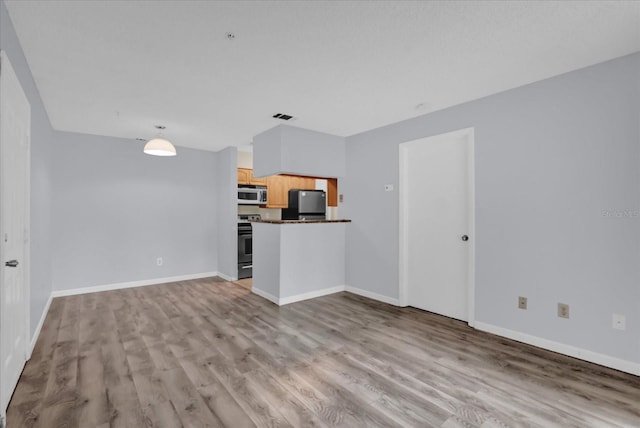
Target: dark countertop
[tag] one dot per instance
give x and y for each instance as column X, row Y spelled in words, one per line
column 299, row 221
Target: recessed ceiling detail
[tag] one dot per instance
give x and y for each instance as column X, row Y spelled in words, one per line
column 343, row 67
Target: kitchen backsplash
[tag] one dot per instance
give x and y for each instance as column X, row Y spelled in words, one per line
column 266, row 213
column 271, row 213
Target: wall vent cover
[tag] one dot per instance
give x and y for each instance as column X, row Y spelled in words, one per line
column 282, row 116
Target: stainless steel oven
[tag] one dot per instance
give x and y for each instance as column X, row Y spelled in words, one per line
column 245, row 246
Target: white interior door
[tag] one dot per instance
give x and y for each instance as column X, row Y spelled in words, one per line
column 436, row 209
column 15, row 114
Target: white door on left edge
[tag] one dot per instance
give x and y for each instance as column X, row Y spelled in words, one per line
column 15, row 114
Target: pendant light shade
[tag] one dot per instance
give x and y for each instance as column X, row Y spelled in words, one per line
column 159, row 147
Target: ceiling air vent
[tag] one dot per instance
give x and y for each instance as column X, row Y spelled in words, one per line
column 282, row 116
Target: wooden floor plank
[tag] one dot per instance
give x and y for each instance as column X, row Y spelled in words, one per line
column 209, row 353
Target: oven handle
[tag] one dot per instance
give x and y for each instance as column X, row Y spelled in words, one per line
column 247, row 267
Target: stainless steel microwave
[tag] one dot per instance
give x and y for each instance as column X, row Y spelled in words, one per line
column 252, row 195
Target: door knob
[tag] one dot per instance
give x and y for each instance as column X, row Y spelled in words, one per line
column 12, row 263
column 465, row 238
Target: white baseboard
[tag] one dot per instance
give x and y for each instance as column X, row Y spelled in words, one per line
column 226, row 277
column 270, row 297
column 561, row 348
column 326, row 291
column 372, row 295
column 280, row 301
column 36, row 333
column 310, row 295
column 132, row 284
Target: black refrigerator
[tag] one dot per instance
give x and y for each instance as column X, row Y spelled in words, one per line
column 306, row 205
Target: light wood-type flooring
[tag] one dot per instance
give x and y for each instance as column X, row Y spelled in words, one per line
column 209, row 353
column 246, row 283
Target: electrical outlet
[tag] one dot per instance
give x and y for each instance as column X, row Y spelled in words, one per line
column 341, row 198
column 388, row 187
column 563, row 310
column 159, row 261
column 619, row 322
column 522, row 302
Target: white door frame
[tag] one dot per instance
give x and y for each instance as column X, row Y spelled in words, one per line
column 4, row 60
column 403, row 290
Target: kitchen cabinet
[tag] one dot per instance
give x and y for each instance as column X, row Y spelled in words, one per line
column 332, row 192
column 278, row 187
column 277, row 191
column 302, row 183
column 245, row 176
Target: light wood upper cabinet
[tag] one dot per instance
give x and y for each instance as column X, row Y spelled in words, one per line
column 278, row 187
column 302, row 183
column 332, row 192
column 245, row 176
column 277, row 191
column 262, row 181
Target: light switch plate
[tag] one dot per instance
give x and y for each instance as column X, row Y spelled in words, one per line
column 522, row 302
column 563, row 310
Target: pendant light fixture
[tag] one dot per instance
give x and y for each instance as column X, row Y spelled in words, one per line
column 159, row 146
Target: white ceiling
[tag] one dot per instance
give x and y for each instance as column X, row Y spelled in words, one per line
column 119, row 67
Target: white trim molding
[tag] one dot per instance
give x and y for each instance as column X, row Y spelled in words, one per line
column 270, row 297
column 281, row 301
column 36, row 333
column 561, row 348
column 311, row 295
column 372, row 295
column 132, row 284
column 226, row 277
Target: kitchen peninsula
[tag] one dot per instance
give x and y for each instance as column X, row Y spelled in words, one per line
column 295, row 260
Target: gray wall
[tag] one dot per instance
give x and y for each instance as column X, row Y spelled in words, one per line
column 290, row 150
column 312, row 252
column 551, row 157
column 266, row 258
column 115, row 210
column 41, row 140
column 294, row 259
column 267, row 152
column 227, row 193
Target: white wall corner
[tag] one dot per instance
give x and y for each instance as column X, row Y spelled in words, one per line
column 270, row 297
column 561, row 348
column 36, row 333
column 311, row 295
column 226, row 277
column 371, row 295
column 132, row 284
